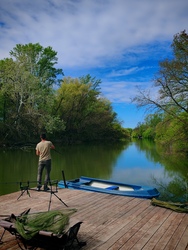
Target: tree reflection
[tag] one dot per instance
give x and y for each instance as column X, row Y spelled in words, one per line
column 176, row 167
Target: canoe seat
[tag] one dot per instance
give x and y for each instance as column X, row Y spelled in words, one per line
column 113, row 188
column 80, row 182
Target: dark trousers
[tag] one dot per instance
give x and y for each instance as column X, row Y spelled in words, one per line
column 41, row 166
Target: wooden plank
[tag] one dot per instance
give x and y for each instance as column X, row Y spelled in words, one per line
column 168, row 229
column 117, row 228
column 170, row 225
column 157, row 230
column 148, row 229
column 109, row 221
column 183, row 243
column 179, row 228
column 132, row 235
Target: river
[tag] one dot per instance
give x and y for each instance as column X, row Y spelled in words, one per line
column 135, row 162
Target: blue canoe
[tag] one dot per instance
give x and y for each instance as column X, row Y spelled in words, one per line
column 109, row 187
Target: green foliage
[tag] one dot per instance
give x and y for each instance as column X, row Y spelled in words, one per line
column 54, row 124
column 149, row 133
column 27, row 87
column 176, row 190
column 29, row 103
column 86, row 115
column 39, row 62
column 172, row 133
column 95, row 83
column 172, row 99
column 147, row 128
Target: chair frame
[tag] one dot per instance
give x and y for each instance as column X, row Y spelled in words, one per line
column 44, row 239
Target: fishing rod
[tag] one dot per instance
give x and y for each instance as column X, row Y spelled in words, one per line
column 63, row 174
column 57, row 151
column 17, row 182
column 13, row 182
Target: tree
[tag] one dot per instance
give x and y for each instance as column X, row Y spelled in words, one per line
column 87, row 116
column 151, row 121
column 39, row 61
column 32, row 99
column 172, row 133
column 171, row 84
column 171, row 81
column 26, row 84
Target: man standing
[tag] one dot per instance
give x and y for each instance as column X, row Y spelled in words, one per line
column 43, row 150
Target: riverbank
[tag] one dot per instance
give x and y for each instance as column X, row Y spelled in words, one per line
column 109, row 221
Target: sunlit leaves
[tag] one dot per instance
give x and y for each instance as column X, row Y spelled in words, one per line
column 30, row 102
column 26, row 82
column 87, row 116
column 172, row 85
column 39, row 61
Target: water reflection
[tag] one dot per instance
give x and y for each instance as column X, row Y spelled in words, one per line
column 139, row 162
column 176, row 166
column 89, row 160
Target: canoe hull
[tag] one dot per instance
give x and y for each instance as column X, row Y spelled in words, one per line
column 109, row 187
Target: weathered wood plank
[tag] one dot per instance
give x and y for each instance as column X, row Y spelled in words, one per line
column 183, row 243
column 109, row 221
column 146, row 242
column 117, row 228
column 131, row 235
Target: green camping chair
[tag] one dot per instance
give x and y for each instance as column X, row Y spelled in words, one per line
column 49, row 240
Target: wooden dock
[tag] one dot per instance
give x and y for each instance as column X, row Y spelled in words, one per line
column 109, row 221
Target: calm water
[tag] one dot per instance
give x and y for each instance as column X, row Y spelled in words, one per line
column 138, row 162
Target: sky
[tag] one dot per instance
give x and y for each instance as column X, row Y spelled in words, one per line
column 120, row 42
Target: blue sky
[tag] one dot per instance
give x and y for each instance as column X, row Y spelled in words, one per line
column 118, row 41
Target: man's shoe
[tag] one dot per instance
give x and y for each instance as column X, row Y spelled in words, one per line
column 46, row 188
column 39, row 187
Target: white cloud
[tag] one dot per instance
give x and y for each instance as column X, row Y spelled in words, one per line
column 128, row 71
column 120, row 41
column 87, row 33
column 142, row 177
column 121, row 91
